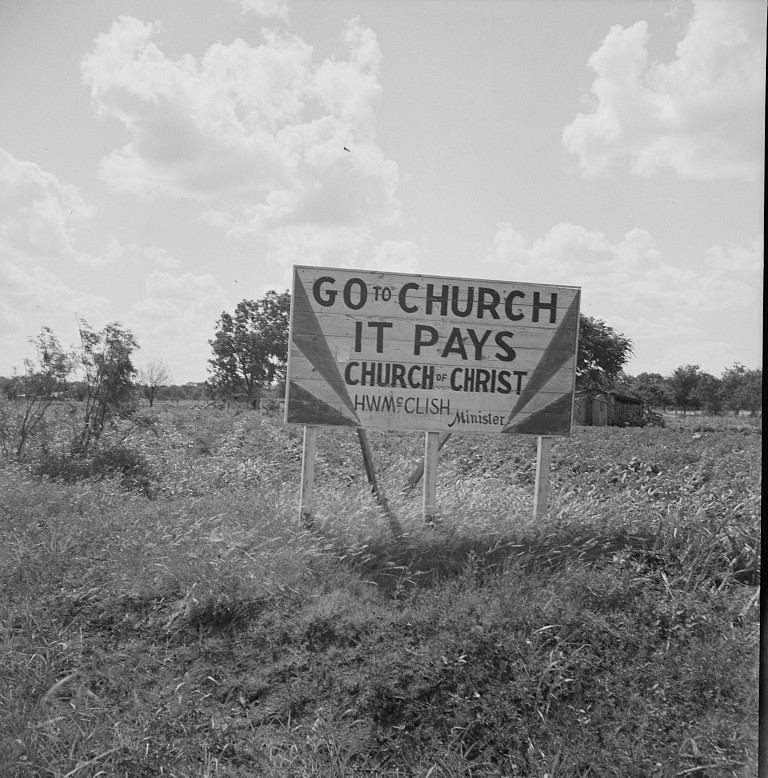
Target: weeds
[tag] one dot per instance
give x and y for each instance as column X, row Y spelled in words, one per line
column 203, row 632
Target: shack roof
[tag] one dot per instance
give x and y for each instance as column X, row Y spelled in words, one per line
column 624, row 395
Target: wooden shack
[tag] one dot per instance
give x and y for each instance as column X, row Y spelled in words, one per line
column 604, row 407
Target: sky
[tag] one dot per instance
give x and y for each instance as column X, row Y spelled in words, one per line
column 162, row 160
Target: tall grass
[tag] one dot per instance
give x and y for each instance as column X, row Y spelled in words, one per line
column 192, row 627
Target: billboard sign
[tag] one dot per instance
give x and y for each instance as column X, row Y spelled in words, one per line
column 407, row 352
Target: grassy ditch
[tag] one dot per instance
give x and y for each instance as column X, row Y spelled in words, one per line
column 163, row 613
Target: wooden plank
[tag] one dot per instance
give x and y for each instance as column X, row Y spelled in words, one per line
column 543, row 462
column 408, row 293
column 431, row 449
column 341, row 328
column 307, row 475
column 418, row 471
column 381, row 377
column 439, row 413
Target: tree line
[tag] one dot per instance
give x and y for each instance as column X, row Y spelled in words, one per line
column 249, row 356
column 688, row 388
column 250, row 352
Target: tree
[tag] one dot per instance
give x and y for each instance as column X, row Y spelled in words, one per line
column 105, row 359
column 602, row 353
column 708, row 392
column 152, row 376
column 250, row 348
column 683, row 383
column 44, row 379
column 652, row 389
column 742, row 389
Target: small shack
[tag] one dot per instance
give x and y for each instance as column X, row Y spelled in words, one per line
column 604, row 407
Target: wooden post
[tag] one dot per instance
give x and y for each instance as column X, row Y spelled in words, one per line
column 365, row 447
column 431, row 449
column 307, row 475
column 543, row 461
column 418, row 471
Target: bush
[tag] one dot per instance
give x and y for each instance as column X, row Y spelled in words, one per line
column 118, row 461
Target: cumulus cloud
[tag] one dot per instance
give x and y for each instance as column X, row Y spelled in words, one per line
column 701, row 114
column 260, row 135
column 311, row 244
column 32, row 297
column 397, row 256
column 32, row 293
column 161, row 258
column 41, row 221
column 270, row 9
column 175, row 318
column 631, row 270
column 632, row 285
column 39, row 216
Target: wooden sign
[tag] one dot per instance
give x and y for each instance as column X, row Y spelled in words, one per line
column 403, row 352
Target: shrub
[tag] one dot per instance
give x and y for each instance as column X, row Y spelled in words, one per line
column 118, row 461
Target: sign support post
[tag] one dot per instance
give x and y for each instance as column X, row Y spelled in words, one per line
column 307, row 475
column 370, row 471
column 418, row 471
column 431, row 450
column 543, row 461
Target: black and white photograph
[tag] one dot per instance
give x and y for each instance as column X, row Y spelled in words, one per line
column 381, row 388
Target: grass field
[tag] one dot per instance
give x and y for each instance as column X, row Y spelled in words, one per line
column 167, row 616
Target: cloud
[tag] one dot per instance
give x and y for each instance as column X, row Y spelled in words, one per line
column 271, row 9
column 350, row 88
column 345, row 247
column 260, row 135
column 630, row 271
column 630, row 284
column 31, row 292
column 39, row 216
column 112, row 253
column 32, row 297
column 396, row 256
column 312, row 244
column 42, row 222
column 702, row 114
column 42, row 219
column 161, row 258
column 175, row 319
